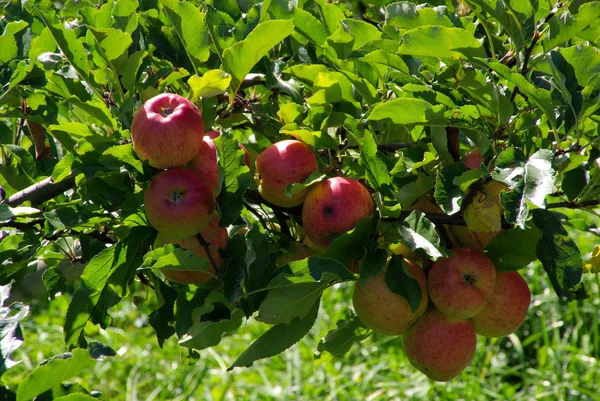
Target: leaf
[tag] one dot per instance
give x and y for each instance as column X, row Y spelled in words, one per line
column 400, row 282
column 113, row 42
column 408, row 111
column 467, row 178
column 8, row 45
column 514, row 249
column 161, row 318
column 447, row 194
column 7, row 213
column 418, row 234
column 239, row 59
column 293, row 293
column 441, row 42
column 211, row 83
column 237, row 179
column 171, row 257
column 11, row 336
column 349, row 246
column 292, row 189
column 439, row 139
column 115, row 156
column 54, row 372
column 592, row 265
column 55, row 282
column 406, row 15
column 190, row 27
column 340, row 340
column 121, row 256
column 375, row 168
column 567, row 26
column 373, row 262
column 409, row 193
column 559, row 255
column 309, row 26
column 76, row 397
column 277, row 339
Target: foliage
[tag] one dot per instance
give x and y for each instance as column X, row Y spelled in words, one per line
column 392, row 93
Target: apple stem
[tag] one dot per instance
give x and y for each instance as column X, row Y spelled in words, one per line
column 206, row 247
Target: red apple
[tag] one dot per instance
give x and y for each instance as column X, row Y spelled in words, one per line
column 334, row 206
column 385, row 311
column 206, row 166
column 285, row 162
column 472, row 159
column 506, row 311
column 167, row 131
column 178, row 203
column 461, row 285
column 438, row 346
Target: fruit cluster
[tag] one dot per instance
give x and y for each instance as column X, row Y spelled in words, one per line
column 461, row 295
column 168, row 132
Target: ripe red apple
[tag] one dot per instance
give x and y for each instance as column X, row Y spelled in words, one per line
column 334, row 206
column 167, row 131
column 506, row 311
column 205, row 164
column 285, row 162
column 472, row 159
column 439, row 346
column 178, row 203
column 295, row 251
column 215, row 236
column 385, row 311
column 461, row 285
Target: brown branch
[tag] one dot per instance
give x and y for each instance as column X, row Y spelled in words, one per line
column 440, row 218
column 388, row 147
column 40, row 192
column 208, row 251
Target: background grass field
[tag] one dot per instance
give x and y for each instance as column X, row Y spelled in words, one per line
column 553, row 356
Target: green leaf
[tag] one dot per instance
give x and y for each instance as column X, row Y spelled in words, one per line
column 559, row 255
column 239, row 59
column 292, row 189
column 375, row 168
column 161, row 319
column 442, row 42
column 76, row 397
column 11, row 336
column 116, row 156
column 418, row 234
column 447, row 194
column 373, row 262
column 55, row 282
column 171, row 257
column 362, row 32
column 568, row 26
column 8, row 44
column 237, row 179
column 400, row 282
column 585, row 61
column 293, row 293
column 7, row 212
column 113, row 42
column 211, row 83
column 309, row 26
column 406, row 15
column 439, row 139
column 54, row 372
column 349, row 246
column 406, row 111
column 121, row 256
column 190, row 27
column 277, row 339
column 512, row 250
column 340, row 340
column 467, row 178
column 409, row 193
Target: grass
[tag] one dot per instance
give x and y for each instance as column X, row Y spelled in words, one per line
column 553, row 356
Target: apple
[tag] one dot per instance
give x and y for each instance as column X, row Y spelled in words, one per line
column 205, row 164
column 384, row 311
column 461, row 285
column 472, row 159
column 439, row 346
column 294, row 251
column 334, row 206
column 285, row 162
column 178, row 203
column 212, row 234
column 167, row 131
column 506, row 310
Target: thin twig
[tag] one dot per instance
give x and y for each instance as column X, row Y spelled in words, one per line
column 257, row 215
column 573, row 204
column 388, row 147
column 208, row 251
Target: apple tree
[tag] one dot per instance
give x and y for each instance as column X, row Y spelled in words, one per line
column 292, row 147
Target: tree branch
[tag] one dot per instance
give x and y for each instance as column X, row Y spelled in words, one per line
column 573, row 204
column 388, row 147
column 440, row 218
column 40, row 192
column 208, row 251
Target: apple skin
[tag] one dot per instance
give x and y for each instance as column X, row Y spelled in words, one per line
column 472, row 159
column 178, row 203
column 167, row 131
column 385, row 311
column 334, row 206
column 460, row 286
column 205, row 164
column 284, row 162
column 507, row 309
column 438, row 346
column 296, row 251
column 215, row 236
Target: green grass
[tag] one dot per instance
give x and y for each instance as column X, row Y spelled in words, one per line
column 553, row 356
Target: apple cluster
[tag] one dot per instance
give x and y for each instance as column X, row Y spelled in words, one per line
column 168, row 132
